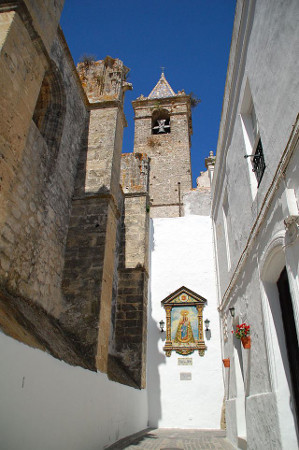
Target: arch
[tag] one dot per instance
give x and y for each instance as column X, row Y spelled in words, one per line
column 50, row 109
column 160, row 121
column 273, row 263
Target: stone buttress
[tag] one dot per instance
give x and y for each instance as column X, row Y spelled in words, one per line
column 91, row 242
column 130, row 326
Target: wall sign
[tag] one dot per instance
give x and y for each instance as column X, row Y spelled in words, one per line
column 185, row 376
column 184, row 322
column 185, row 361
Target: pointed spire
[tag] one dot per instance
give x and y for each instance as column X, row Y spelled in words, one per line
column 162, row 88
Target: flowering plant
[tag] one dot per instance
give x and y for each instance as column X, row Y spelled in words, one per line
column 241, row 331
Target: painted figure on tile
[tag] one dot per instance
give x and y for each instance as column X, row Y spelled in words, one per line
column 184, row 322
column 184, row 332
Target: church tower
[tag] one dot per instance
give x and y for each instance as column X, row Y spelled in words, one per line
column 163, row 129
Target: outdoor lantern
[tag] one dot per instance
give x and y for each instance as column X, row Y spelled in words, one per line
column 162, row 325
column 207, row 323
column 232, row 311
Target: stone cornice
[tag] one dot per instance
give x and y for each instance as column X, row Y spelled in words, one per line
column 146, row 102
column 106, row 196
column 109, row 104
column 136, row 194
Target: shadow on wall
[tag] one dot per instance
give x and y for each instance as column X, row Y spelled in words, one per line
column 154, row 360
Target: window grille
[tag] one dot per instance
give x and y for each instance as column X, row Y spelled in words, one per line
column 258, row 162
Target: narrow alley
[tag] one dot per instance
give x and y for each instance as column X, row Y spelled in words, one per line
column 174, row 439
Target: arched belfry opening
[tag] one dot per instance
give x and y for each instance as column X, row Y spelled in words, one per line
column 161, row 122
column 50, row 109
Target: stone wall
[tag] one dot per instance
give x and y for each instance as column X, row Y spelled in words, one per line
column 38, row 165
column 131, row 308
column 62, row 204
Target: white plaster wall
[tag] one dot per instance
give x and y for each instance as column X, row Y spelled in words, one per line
column 270, row 41
column 182, row 254
column 48, row 405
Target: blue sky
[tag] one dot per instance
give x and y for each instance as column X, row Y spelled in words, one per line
column 190, row 38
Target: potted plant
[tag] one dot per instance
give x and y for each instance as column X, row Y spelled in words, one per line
column 226, row 362
column 243, row 332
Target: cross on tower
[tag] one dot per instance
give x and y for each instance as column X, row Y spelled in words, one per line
column 163, row 68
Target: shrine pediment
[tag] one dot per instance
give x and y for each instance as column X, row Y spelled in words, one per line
column 185, row 296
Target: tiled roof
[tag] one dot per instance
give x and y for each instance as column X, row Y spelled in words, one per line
column 162, row 89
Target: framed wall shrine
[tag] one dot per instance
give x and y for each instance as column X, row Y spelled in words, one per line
column 184, row 322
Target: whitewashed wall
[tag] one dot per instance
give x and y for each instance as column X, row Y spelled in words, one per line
column 48, row 405
column 252, row 242
column 182, row 254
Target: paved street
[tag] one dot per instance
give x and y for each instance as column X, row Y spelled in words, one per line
column 175, row 439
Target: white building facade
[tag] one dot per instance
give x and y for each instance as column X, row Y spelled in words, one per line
column 255, row 217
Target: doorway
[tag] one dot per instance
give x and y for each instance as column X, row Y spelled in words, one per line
column 291, row 342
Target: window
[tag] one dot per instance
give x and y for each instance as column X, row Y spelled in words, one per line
column 225, row 220
column 50, row 109
column 253, row 142
column 160, row 122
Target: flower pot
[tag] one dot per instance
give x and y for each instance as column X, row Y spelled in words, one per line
column 246, row 342
column 226, row 362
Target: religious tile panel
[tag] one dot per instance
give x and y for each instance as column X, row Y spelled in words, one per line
column 184, row 322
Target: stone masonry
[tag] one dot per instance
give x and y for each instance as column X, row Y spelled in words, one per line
column 89, row 261
column 36, row 179
column 169, row 153
column 75, row 213
column 131, row 307
column 64, row 218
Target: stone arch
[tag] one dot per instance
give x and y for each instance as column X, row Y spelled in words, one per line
column 160, row 121
column 49, row 113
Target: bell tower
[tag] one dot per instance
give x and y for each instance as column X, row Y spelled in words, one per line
column 163, row 129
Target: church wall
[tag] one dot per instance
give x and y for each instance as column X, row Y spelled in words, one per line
column 45, row 15
column 255, row 228
column 47, row 404
column 37, row 206
column 182, row 254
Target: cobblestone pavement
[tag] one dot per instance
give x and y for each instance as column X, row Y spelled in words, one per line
column 174, row 439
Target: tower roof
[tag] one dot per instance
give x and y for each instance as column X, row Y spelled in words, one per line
column 162, row 89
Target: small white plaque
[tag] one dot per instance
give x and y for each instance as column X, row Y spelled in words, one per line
column 185, row 376
column 185, row 361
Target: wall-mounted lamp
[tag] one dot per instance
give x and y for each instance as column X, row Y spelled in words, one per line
column 162, row 325
column 232, row 311
column 207, row 323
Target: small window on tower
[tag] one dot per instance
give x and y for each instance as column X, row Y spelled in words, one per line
column 160, row 122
